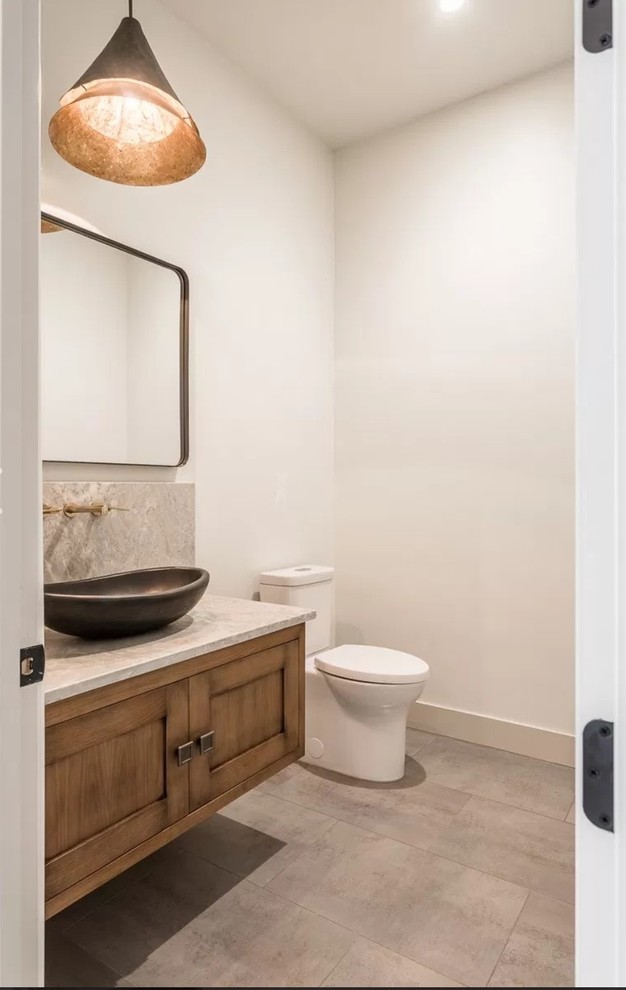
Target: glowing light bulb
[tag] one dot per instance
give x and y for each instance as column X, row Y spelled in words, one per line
column 127, row 119
column 450, row 6
column 122, row 121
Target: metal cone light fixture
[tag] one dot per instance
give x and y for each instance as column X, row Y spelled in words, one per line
column 122, row 121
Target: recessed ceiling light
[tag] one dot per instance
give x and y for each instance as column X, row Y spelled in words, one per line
column 450, row 6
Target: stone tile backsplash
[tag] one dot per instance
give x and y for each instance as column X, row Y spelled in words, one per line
column 158, row 529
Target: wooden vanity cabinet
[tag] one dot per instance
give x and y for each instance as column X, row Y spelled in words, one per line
column 113, row 781
column 245, row 716
column 131, row 765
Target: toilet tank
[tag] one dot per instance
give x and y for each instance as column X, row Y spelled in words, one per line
column 308, row 586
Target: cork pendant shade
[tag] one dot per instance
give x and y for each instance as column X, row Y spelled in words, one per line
column 122, row 121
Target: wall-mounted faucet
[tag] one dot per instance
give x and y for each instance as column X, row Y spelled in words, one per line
column 95, row 508
column 75, row 508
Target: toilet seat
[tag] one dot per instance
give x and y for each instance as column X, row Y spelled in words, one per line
column 372, row 665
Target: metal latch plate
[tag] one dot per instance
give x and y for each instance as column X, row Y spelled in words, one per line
column 597, row 25
column 598, row 773
column 32, row 664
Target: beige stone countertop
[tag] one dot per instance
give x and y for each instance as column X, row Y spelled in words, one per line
column 74, row 665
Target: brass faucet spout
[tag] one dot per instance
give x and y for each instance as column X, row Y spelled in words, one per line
column 94, row 508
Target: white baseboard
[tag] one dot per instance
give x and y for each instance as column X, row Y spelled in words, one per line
column 528, row 740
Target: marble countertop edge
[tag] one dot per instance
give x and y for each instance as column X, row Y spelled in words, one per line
column 76, row 666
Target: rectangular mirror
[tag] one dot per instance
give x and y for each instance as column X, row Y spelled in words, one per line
column 114, row 324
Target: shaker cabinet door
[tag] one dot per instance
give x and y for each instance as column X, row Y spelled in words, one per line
column 113, row 779
column 243, row 716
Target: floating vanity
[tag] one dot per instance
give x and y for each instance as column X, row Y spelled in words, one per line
column 146, row 737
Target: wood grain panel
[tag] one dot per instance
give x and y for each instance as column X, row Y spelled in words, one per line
column 106, row 797
column 252, row 708
column 235, row 675
column 251, row 761
column 107, row 723
column 246, row 716
column 177, row 732
column 301, row 688
column 71, row 866
column 114, row 779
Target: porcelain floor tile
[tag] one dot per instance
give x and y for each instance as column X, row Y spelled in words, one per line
column 65, row 919
column 256, row 836
column 411, row 810
column 367, row 964
column 540, row 952
column 447, row 917
column 528, row 849
column 316, row 879
column 545, row 788
column 191, row 924
column 67, row 965
column 416, row 739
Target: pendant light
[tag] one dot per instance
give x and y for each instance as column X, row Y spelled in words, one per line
column 122, row 121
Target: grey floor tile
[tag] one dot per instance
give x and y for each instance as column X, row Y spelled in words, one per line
column 447, row 917
column 540, row 952
column 546, row 788
column 528, row 849
column 548, row 914
column 256, row 836
column 436, row 867
column 416, row 739
column 412, row 810
column 67, row 965
column 65, row 919
column 571, row 814
column 189, row 923
column 367, row 964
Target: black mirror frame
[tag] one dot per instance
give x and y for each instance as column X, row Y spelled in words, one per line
column 183, row 338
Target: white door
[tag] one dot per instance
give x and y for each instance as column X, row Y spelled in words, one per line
column 21, row 708
column 601, row 457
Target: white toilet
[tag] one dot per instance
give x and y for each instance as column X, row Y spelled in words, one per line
column 357, row 697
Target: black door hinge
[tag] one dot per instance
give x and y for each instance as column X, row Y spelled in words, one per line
column 598, row 773
column 597, row 25
column 32, row 664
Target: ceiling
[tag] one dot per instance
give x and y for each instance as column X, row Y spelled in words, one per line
column 350, row 68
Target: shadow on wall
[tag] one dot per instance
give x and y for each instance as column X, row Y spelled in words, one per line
column 346, row 633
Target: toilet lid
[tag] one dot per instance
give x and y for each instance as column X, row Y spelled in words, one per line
column 372, row 664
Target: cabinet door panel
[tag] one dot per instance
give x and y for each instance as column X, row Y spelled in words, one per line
column 251, row 706
column 128, row 759
column 112, row 781
column 246, row 716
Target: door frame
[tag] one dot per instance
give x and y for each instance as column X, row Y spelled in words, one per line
column 21, row 579
column 601, row 493
column 601, row 488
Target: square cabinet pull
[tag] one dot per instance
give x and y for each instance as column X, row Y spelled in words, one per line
column 206, row 743
column 185, row 753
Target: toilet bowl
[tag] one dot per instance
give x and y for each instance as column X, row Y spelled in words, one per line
column 356, row 725
column 357, row 698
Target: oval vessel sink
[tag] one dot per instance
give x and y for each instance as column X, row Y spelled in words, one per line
column 123, row 604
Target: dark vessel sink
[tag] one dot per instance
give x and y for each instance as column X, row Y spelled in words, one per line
column 123, row 604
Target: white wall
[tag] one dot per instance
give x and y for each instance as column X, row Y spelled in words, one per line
column 454, row 399
column 253, row 229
